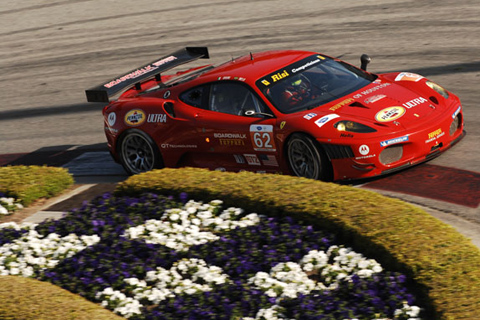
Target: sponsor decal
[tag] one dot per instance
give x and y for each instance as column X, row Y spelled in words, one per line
column 434, row 135
column 230, row 77
column 279, row 76
column 135, row 117
column 268, row 160
column 282, row 124
column 407, row 76
column 275, row 77
column 306, row 65
column 390, row 114
column 310, row 116
column 346, row 135
column 230, row 135
column 139, row 72
column 456, row 112
column 394, row 141
column 166, row 94
column 112, row 118
column 364, row 150
column 239, row 159
column 262, row 137
column 320, row 122
column 178, row 146
column 111, row 130
column 157, row 118
column 414, row 102
column 365, row 157
column 341, row 104
column 374, row 98
column 252, row 159
column 164, row 60
column 231, row 142
column 380, row 86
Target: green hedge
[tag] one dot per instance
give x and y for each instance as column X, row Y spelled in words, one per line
column 29, row 299
column 443, row 264
column 29, row 183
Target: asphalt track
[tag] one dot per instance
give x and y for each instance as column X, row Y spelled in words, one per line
column 53, row 50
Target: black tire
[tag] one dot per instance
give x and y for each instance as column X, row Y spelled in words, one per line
column 306, row 159
column 138, row 152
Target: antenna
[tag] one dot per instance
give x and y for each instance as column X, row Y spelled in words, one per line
column 251, row 56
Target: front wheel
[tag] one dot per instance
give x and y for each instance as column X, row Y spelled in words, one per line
column 306, row 159
column 138, row 152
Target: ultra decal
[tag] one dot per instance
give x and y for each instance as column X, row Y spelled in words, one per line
column 414, row 102
column 157, row 118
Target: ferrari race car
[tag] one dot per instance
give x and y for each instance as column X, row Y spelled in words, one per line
column 291, row 112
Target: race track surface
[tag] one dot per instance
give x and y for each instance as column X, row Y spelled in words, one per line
column 53, row 50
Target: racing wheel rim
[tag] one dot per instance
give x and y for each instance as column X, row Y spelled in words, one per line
column 138, row 153
column 304, row 158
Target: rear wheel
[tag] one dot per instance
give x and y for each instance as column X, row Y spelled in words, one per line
column 306, row 159
column 138, row 152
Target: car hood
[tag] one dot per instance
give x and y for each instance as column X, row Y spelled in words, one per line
column 386, row 104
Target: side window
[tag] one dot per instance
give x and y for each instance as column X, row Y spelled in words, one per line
column 233, row 98
column 194, row 97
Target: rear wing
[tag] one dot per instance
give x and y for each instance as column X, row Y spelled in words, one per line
column 103, row 92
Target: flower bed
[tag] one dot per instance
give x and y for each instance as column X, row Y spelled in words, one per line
column 149, row 257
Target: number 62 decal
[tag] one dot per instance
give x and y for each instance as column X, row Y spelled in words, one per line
column 262, row 137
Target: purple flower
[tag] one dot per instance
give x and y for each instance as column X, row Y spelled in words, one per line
column 183, row 197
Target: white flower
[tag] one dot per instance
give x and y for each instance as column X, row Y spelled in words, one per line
column 216, row 202
column 174, row 217
column 3, row 210
column 35, row 252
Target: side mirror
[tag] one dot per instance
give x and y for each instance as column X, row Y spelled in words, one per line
column 365, row 60
column 253, row 113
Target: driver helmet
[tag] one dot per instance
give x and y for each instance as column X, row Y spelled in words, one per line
column 295, row 90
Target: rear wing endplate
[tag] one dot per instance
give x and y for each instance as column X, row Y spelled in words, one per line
column 103, row 92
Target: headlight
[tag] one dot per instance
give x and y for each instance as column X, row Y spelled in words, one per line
column 438, row 88
column 352, row 126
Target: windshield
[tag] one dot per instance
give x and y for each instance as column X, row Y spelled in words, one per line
column 311, row 82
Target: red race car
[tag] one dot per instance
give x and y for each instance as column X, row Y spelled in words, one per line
column 292, row 112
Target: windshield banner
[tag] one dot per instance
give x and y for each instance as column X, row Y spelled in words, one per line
column 290, row 70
